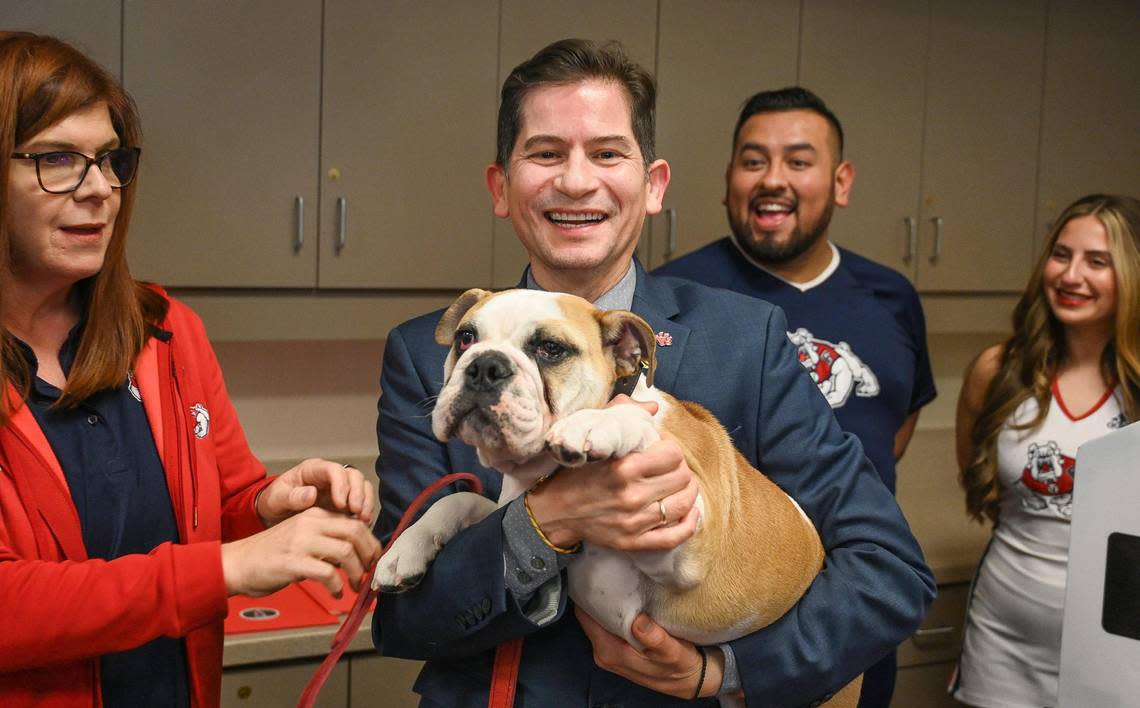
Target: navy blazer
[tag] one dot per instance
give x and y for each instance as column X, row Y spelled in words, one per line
column 730, row 353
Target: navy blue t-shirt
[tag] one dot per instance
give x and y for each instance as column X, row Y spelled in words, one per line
column 859, row 330
column 118, row 485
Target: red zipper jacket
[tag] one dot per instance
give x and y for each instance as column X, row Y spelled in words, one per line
column 60, row 610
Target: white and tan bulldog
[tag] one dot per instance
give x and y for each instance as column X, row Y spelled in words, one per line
column 526, row 382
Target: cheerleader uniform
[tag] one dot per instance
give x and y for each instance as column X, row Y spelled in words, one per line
column 1012, row 643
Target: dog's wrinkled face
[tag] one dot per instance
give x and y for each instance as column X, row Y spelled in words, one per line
column 521, row 359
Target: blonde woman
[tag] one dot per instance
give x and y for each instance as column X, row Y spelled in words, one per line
column 1069, row 373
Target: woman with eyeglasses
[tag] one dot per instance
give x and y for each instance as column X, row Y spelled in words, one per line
column 1069, row 373
column 131, row 506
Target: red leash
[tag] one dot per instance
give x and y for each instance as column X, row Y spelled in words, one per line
column 502, row 695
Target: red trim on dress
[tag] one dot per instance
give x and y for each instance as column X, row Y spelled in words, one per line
column 1065, row 409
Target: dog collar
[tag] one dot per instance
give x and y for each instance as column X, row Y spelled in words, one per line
column 626, row 384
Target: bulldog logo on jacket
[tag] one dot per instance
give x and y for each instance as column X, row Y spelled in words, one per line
column 201, row 420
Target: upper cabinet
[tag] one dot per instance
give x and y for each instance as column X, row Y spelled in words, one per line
column 407, row 126
column 940, row 104
column 341, row 144
column 276, row 156
column 711, row 57
column 1090, row 123
column 229, row 94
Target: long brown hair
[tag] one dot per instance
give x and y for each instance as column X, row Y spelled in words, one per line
column 42, row 81
column 1029, row 358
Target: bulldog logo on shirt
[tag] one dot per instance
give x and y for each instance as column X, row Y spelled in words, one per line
column 201, row 420
column 834, row 368
column 1047, row 478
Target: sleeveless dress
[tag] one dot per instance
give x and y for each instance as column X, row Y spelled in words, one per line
column 1012, row 644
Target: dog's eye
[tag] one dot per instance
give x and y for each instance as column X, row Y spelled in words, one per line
column 550, row 351
column 464, row 338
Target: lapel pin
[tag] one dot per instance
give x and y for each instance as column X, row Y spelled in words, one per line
column 664, row 339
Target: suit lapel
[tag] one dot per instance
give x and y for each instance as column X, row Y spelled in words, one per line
column 657, row 305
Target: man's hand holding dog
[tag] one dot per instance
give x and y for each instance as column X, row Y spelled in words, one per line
column 644, row 501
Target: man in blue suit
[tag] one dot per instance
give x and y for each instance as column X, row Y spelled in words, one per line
column 576, row 172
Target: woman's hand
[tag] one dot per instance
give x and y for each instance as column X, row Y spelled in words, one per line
column 328, row 485
column 311, row 544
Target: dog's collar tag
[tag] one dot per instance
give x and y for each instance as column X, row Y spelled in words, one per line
column 626, row 384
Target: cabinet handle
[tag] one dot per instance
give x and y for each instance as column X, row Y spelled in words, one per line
column 937, row 254
column 341, row 223
column 934, row 636
column 299, row 235
column 670, row 233
column 911, row 239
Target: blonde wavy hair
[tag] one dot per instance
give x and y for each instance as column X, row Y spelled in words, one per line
column 1029, row 358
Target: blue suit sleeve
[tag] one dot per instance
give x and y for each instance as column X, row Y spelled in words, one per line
column 462, row 606
column 874, row 588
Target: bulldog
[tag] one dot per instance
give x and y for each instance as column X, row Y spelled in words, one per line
column 527, row 379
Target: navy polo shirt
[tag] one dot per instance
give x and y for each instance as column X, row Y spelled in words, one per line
column 118, row 485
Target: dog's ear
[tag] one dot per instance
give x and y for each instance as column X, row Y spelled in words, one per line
column 445, row 330
column 631, row 341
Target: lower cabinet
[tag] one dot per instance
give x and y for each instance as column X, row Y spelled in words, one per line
column 359, row 680
column 926, row 660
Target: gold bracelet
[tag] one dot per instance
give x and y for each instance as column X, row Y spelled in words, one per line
column 538, row 529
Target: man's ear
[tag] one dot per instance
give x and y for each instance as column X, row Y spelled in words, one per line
column 630, row 341
column 445, row 330
column 658, row 181
column 844, row 181
column 496, row 177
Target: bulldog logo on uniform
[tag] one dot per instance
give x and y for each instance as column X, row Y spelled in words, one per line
column 1048, row 478
column 201, row 420
column 834, row 368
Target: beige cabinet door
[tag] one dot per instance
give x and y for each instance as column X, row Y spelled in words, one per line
column 408, row 125
column 711, row 57
column 979, row 164
column 382, row 682
column 281, row 684
column 93, row 27
column 230, row 100
column 867, row 61
column 940, row 106
column 529, row 25
column 1090, row 132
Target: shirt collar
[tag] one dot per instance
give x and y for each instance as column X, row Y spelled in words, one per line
column 619, row 297
column 802, row 287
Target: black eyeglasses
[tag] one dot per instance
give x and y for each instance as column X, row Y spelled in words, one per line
column 62, row 171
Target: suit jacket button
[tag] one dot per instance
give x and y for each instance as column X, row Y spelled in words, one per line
column 523, row 576
column 537, row 563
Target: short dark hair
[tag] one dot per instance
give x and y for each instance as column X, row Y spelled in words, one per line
column 790, row 98
column 569, row 61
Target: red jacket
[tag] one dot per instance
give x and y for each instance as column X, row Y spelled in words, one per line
column 59, row 610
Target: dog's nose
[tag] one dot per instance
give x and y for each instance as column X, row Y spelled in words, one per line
column 488, row 371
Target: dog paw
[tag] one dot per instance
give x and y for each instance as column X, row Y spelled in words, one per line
column 403, row 566
column 599, row 434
